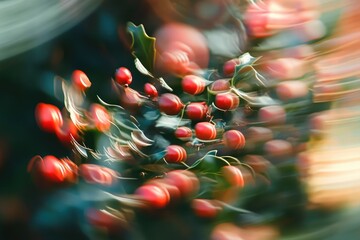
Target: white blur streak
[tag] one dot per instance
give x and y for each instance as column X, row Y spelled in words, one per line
column 25, row 24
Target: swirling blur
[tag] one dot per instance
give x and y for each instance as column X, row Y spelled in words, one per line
column 27, row 24
column 307, row 58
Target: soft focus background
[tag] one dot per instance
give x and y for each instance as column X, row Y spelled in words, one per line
column 40, row 40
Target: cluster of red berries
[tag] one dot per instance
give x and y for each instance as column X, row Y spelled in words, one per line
column 218, row 142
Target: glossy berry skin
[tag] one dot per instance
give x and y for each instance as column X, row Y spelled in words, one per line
column 123, row 76
column 150, row 90
column 196, row 110
column 155, row 196
column 170, row 104
column 229, row 67
column 233, row 139
column 67, row 132
column 233, row 176
column 80, row 80
column 193, row 84
column 48, row 117
column 205, row 131
column 51, row 170
column 204, row 208
column 100, row 117
column 227, row 101
column 183, row 133
column 103, row 219
column 220, row 85
column 95, row 174
column 174, row 192
column 175, row 154
column 185, row 181
column 130, row 98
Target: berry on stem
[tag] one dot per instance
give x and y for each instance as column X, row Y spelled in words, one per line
column 229, row 67
column 184, row 180
column 51, row 170
column 156, row 196
column 150, row 90
column 183, row 133
column 234, row 139
column 220, row 85
column 227, row 101
column 123, row 76
column 205, row 131
column 100, row 117
column 170, row 104
column 196, row 110
column 48, row 117
column 80, row 80
column 175, row 154
column 95, row 174
column 233, row 176
column 205, row 208
column 67, row 132
column 193, row 84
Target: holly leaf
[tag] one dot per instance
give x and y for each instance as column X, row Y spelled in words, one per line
column 143, row 46
column 245, row 72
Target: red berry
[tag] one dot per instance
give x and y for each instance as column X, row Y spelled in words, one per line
column 95, row 174
column 204, row 208
column 170, row 104
column 180, row 48
column 184, row 180
column 233, row 176
column 162, row 183
column 67, row 132
column 272, row 115
column 256, row 19
column 278, row 148
column 193, row 84
column 196, row 110
column 100, row 117
column 183, row 133
column 71, row 170
column 220, row 85
column 150, row 90
column 291, row 89
column 227, row 101
column 80, row 80
column 205, row 131
column 130, row 98
column 52, row 169
column 175, row 154
column 156, row 196
column 229, row 67
column 104, row 219
column 48, row 117
column 123, row 76
column 234, row 139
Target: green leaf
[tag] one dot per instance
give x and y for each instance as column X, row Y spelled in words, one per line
column 210, row 163
column 143, row 46
column 247, row 73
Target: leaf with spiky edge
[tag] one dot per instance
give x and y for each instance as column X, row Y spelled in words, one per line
column 143, row 46
column 245, row 70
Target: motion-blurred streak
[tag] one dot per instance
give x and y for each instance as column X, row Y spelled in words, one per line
column 26, row 24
